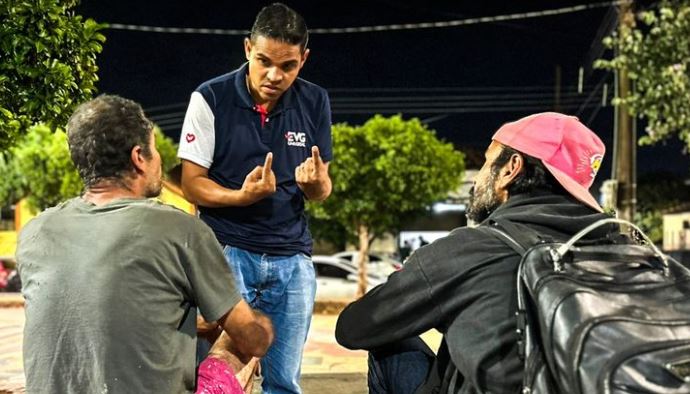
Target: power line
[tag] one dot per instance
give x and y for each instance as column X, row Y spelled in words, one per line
column 166, row 106
column 379, row 28
column 441, row 113
column 463, row 110
column 437, row 103
column 498, row 91
column 453, row 98
column 534, row 88
column 592, row 94
column 168, row 115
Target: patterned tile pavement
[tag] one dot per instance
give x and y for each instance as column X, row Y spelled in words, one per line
column 11, row 369
column 325, row 363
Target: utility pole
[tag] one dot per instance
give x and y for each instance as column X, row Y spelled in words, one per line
column 625, row 138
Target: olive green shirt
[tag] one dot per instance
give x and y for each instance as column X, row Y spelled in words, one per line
column 111, row 295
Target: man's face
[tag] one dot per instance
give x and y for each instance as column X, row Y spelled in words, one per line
column 273, row 67
column 154, row 181
column 484, row 198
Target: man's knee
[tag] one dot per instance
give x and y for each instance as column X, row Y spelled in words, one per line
column 400, row 367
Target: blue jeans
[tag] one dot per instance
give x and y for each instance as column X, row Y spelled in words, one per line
column 282, row 287
column 399, row 368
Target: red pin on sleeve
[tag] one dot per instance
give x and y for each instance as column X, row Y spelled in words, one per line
column 190, row 137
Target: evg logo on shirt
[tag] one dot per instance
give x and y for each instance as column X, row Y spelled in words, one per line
column 296, row 139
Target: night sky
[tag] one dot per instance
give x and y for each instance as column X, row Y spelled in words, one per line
column 464, row 81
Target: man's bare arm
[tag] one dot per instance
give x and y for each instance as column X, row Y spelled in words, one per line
column 199, row 189
column 250, row 332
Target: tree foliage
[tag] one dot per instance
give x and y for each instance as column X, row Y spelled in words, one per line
column 40, row 167
column 48, row 64
column 11, row 188
column 383, row 171
column 46, row 170
column 656, row 193
column 656, row 55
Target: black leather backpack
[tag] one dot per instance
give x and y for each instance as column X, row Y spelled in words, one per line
column 600, row 317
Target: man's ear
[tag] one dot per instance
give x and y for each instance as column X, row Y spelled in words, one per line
column 305, row 55
column 247, row 48
column 138, row 159
column 509, row 172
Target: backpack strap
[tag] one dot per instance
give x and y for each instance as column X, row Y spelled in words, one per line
column 501, row 234
column 519, row 238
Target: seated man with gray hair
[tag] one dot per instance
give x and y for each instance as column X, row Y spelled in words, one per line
column 112, row 279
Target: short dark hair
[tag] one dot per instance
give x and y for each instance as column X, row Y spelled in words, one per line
column 101, row 134
column 534, row 175
column 282, row 23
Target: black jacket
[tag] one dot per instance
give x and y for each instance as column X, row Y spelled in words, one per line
column 463, row 285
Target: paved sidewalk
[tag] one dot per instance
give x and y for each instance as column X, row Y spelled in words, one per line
column 11, row 369
column 326, row 366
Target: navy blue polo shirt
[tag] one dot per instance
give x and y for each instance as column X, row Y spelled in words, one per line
column 223, row 132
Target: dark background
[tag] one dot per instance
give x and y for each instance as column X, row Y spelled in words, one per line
column 463, row 81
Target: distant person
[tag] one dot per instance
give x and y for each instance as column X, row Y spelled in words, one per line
column 537, row 174
column 422, row 241
column 112, row 280
column 256, row 143
column 405, row 250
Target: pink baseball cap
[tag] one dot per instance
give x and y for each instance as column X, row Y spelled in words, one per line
column 568, row 149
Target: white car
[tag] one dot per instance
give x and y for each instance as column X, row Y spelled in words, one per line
column 378, row 264
column 336, row 279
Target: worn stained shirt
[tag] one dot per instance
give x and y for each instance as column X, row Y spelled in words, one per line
column 111, row 296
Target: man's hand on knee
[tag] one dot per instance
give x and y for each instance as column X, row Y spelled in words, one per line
column 207, row 330
column 250, row 333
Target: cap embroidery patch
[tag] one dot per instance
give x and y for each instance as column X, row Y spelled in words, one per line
column 595, row 164
column 589, row 163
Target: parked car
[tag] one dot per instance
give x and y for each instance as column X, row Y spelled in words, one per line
column 336, row 279
column 378, row 264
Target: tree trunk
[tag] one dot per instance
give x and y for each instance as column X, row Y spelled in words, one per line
column 363, row 258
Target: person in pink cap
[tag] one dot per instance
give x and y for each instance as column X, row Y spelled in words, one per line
column 536, row 177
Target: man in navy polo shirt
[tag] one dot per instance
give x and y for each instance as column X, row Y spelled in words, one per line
column 255, row 143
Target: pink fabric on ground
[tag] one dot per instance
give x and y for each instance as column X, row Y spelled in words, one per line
column 215, row 377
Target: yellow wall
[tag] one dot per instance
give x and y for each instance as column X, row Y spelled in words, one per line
column 22, row 214
column 8, row 243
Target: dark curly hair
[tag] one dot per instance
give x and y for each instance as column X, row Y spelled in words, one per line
column 280, row 22
column 101, row 134
column 533, row 177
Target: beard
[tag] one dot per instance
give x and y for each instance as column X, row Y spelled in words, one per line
column 154, row 188
column 483, row 201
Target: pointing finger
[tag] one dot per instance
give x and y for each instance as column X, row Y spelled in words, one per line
column 267, row 164
column 315, row 155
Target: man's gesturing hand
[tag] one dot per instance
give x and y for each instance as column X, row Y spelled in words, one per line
column 312, row 176
column 259, row 183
